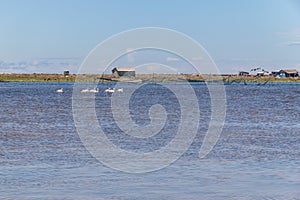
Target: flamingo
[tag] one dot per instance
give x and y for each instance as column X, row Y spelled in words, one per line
column 84, row 90
column 120, row 90
column 109, row 90
column 95, row 90
column 61, row 90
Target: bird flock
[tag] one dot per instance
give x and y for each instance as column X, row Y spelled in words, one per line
column 96, row 90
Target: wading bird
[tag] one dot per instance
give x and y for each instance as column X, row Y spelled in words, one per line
column 120, row 90
column 95, row 90
column 60, row 90
column 109, row 90
column 84, row 90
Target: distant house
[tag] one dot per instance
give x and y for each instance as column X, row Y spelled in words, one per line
column 276, row 73
column 243, row 73
column 124, row 71
column 289, row 73
column 285, row 73
column 262, row 73
column 259, row 72
column 66, row 73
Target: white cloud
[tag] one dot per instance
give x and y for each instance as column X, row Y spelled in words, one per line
column 44, row 65
column 291, row 37
column 157, row 68
column 130, row 55
column 170, row 59
column 292, row 33
column 295, row 43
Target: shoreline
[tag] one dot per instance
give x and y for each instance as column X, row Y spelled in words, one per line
column 227, row 78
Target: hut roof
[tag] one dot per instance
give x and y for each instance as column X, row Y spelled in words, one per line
column 290, row 71
column 124, row 69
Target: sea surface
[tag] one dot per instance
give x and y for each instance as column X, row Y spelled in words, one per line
column 256, row 157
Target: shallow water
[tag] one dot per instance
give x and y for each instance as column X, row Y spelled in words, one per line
column 256, row 157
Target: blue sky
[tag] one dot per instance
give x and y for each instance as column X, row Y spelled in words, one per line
column 47, row 36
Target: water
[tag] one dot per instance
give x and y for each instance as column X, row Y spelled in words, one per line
column 256, row 157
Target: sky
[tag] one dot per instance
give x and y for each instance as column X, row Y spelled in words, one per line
column 49, row 36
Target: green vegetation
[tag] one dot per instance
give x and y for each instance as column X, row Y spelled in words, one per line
column 258, row 79
column 142, row 77
column 36, row 78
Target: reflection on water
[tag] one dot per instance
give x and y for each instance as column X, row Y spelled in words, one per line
column 257, row 156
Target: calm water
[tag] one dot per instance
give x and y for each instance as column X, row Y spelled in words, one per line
column 257, row 156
